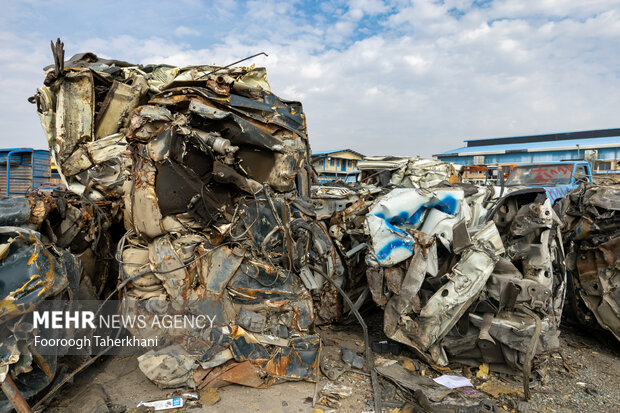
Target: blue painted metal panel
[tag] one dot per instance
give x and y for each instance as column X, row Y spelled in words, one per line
column 41, row 171
column 558, row 156
column 542, row 157
column 537, row 145
column 558, row 192
column 23, row 169
column 464, row 160
column 514, row 157
column 329, row 177
column 531, row 157
column 607, row 153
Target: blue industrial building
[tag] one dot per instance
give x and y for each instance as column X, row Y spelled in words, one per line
column 602, row 145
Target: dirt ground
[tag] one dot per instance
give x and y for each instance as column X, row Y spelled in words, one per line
column 583, row 376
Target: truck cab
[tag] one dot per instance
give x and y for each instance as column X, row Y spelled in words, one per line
column 556, row 178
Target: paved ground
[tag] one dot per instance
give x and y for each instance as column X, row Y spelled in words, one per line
column 584, row 376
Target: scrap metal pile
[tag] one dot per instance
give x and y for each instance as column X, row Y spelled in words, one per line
column 190, row 192
column 592, row 232
column 210, row 172
column 406, row 172
column 53, row 246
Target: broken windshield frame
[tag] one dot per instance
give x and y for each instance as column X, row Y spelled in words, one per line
column 549, row 174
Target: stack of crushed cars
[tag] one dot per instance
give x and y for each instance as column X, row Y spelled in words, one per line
column 592, row 236
column 210, row 171
column 54, row 245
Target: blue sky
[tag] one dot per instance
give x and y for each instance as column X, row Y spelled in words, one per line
column 378, row 76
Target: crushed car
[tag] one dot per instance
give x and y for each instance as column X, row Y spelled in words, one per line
column 465, row 277
column 592, row 237
column 54, row 246
column 407, row 172
column 463, row 274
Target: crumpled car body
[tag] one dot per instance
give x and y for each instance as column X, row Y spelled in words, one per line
column 407, row 172
column 87, row 112
column 593, row 239
column 472, row 288
column 433, row 212
column 32, row 271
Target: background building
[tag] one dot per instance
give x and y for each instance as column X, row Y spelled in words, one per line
column 337, row 165
column 602, row 146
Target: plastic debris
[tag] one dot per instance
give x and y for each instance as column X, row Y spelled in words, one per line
column 167, row 404
column 453, row 382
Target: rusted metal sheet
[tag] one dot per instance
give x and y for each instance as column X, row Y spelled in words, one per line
column 30, row 272
column 593, row 243
column 244, row 373
column 75, row 110
column 52, row 244
column 12, row 393
column 296, row 361
column 118, row 104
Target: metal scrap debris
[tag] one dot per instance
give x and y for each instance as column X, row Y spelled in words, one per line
column 461, row 275
column 210, row 171
column 394, row 171
column 593, row 243
column 197, row 180
column 54, row 246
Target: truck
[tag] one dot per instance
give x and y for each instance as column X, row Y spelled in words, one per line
column 556, row 178
column 483, row 175
column 23, row 169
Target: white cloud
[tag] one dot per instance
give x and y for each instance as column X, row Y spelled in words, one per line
column 21, row 63
column 183, row 31
column 417, row 63
column 419, row 82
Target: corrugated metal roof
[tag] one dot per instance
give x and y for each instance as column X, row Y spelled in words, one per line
column 548, row 137
column 536, row 146
column 339, row 150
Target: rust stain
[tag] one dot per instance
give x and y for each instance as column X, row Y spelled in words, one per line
column 33, row 258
